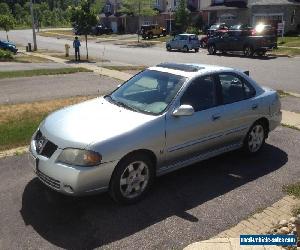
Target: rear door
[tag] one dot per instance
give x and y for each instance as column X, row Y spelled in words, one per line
column 240, row 106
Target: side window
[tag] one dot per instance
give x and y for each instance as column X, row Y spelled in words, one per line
column 200, row 94
column 235, row 88
column 249, row 89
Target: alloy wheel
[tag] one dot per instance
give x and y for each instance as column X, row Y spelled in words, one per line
column 134, row 179
column 256, row 138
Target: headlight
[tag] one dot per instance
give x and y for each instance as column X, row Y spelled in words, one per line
column 79, row 157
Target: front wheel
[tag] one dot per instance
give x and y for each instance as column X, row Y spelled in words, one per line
column 132, row 179
column 185, row 49
column 212, row 49
column 196, row 50
column 255, row 138
column 169, row 48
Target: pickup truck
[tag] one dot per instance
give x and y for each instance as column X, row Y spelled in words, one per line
column 241, row 40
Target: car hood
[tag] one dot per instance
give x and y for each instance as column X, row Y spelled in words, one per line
column 8, row 43
column 91, row 121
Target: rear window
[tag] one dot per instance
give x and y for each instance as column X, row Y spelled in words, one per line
column 194, row 37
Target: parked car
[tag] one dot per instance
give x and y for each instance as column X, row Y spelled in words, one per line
column 6, row 45
column 164, row 118
column 204, row 39
column 240, row 40
column 149, row 31
column 184, row 42
column 101, row 30
column 217, row 27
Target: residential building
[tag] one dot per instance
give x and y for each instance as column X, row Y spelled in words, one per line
column 226, row 11
column 254, row 11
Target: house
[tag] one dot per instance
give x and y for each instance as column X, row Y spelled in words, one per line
column 226, row 11
column 253, row 12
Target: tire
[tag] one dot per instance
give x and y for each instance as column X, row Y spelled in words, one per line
column 185, row 49
column 248, row 51
column 255, row 138
column 150, row 36
column 169, row 48
column 132, row 178
column 261, row 53
column 144, row 36
column 211, row 49
column 224, row 52
column 196, row 50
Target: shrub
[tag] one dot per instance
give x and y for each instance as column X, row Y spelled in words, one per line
column 193, row 30
column 5, row 55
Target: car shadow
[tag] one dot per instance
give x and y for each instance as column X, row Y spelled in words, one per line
column 93, row 221
column 236, row 54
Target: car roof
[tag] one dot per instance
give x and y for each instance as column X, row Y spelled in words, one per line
column 186, row 34
column 190, row 69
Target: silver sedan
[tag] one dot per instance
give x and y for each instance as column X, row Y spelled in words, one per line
column 164, row 118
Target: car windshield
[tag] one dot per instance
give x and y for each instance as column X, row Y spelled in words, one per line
column 148, row 92
column 214, row 27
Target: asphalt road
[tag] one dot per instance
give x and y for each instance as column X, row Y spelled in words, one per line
column 277, row 73
column 29, row 89
column 191, row 204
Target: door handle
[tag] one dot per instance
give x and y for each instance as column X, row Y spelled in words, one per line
column 254, row 106
column 215, row 117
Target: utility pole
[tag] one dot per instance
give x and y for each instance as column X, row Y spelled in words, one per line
column 170, row 12
column 139, row 21
column 33, row 26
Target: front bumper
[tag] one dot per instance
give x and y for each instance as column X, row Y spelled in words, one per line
column 70, row 180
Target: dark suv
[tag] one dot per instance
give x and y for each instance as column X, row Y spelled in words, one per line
column 245, row 40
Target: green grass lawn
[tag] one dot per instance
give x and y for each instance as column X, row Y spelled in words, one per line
column 286, row 51
column 39, row 72
column 19, row 121
column 289, row 41
column 293, row 189
column 124, row 68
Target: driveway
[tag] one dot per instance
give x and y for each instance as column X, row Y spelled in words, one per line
column 29, row 89
column 277, row 73
column 192, row 204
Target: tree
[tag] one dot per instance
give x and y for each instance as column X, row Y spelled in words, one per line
column 84, row 18
column 138, row 8
column 4, row 9
column 181, row 16
column 6, row 23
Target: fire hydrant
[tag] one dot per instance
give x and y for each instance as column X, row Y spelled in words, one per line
column 67, row 48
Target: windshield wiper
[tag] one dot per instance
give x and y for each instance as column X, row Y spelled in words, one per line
column 121, row 104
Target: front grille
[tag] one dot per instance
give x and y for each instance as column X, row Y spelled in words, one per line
column 48, row 180
column 48, row 148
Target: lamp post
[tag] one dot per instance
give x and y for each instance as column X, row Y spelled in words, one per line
column 170, row 17
column 33, row 26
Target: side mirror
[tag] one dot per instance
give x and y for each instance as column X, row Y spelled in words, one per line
column 183, row 110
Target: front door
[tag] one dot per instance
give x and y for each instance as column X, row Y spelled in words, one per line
column 189, row 136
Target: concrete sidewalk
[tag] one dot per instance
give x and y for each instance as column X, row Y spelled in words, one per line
column 259, row 223
column 226, row 244
column 100, row 70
